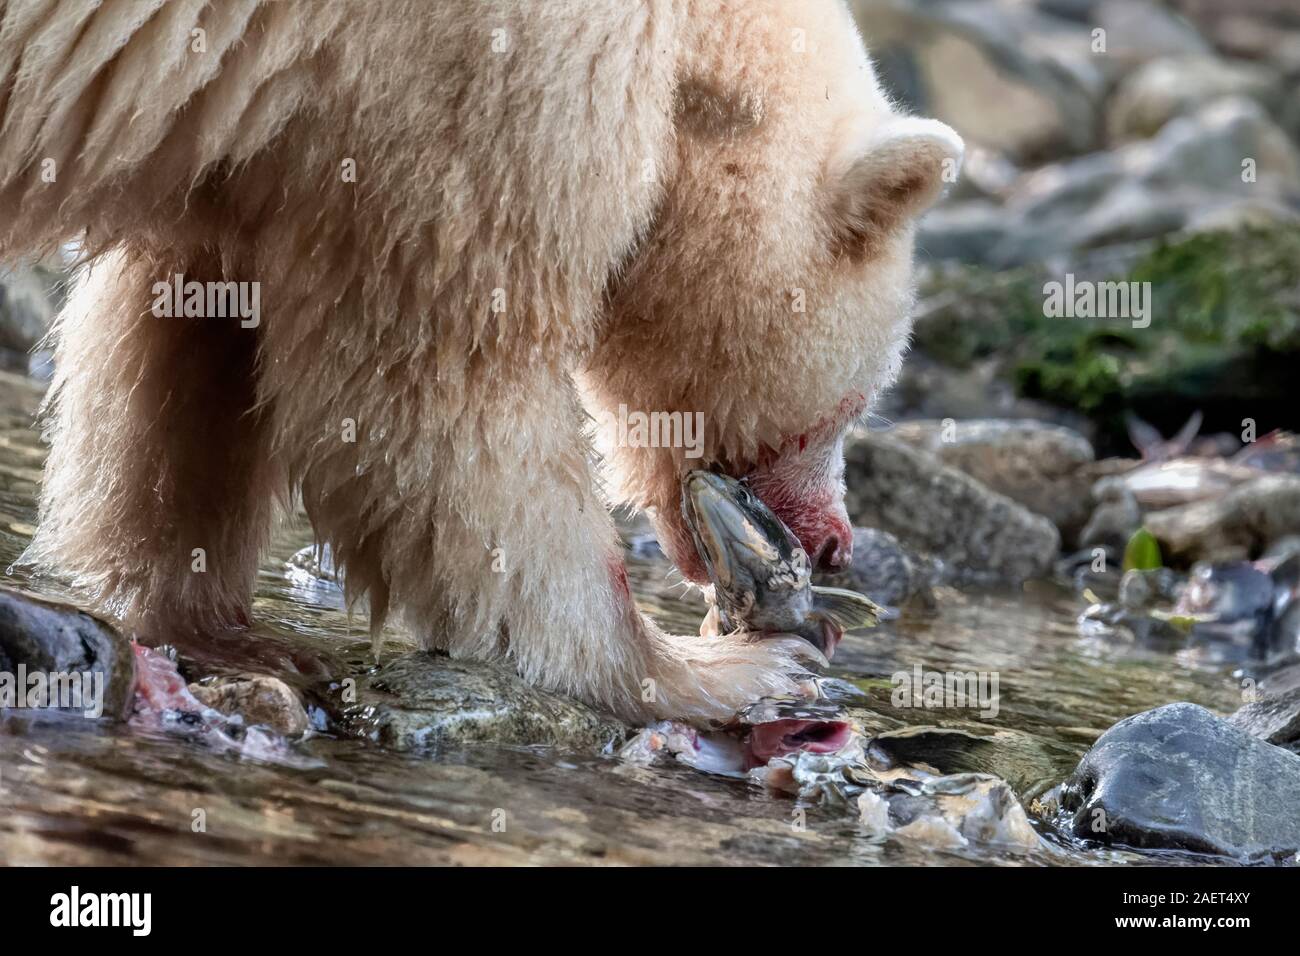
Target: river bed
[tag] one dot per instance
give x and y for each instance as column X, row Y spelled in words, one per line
column 75, row 792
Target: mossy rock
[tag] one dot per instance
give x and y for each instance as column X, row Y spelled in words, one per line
column 421, row 701
column 1224, row 336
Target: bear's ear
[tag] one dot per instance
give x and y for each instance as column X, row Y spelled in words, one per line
column 899, row 173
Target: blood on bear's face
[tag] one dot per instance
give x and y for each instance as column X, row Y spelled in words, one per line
column 771, row 293
column 803, row 482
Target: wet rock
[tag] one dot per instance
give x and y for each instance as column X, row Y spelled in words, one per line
column 1021, row 759
column 313, row 566
column 977, row 533
column 1114, row 621
column 1241, row 524
column 884, row 570
column 1180, row 778
column 1140, row 590
column 1091, row 574
column 421, row 701
column 1038, row 465
column 1158, row 91
column 260, row 701
column 49, row 637
column 1275, row 718
column 1240, row 605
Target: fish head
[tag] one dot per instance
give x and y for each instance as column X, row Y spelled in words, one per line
column 761, row 575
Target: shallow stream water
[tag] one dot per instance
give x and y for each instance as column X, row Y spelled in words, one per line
column 73, row 792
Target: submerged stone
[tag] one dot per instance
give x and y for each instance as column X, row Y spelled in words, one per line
column 423, row 701
column 259, row 700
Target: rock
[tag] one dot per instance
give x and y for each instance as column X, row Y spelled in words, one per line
column 1244, row 610
column 1240, row 525
column 52, row 638
column 963, row 231
column 312, row 566
column 1275, row 718
column 979, row 534
column 1180, row 778
column 927, row 388
column 883, row 570
column 1115, row 517
column 260, row 700
column 1283, row 548
column 1242, row 27
column 1113, row 621
column 1206, row 148
column 985, row 174
column 1040, row 466
column 1080, row 11
column 1189, row 175
column 1168, row 484
column 29, row 299
column 1158, row 91
column 1029, row 83
column 1140, row 30
column 421, row 701
column 1142, row 589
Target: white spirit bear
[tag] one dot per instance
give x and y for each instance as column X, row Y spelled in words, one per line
column 464, row 220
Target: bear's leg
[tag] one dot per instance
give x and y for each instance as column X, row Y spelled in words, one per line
column 490, row 539
column 158, row 491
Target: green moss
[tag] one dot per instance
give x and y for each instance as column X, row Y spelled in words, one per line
column 1224, row 335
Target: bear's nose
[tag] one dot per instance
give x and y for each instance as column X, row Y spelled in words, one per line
column 834, row 556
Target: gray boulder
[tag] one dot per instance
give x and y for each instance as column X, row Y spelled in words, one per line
column 1275, row 718
column 1241, row 524
column 979, row 535
column 1180, row 778
column 1158, row 91
column 52, row 638
column 1142, row 30
column 883, row 569
column 29, row 299
column 1041, row 466
column 1190, row 176
column 1029, row 83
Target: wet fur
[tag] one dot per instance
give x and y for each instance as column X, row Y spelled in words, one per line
column 467, row 505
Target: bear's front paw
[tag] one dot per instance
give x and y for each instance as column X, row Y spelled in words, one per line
column 709, row 679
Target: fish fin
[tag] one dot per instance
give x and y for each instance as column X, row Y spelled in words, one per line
column 848, row 609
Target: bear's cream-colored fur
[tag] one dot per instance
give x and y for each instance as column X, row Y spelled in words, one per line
column 669, row 205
